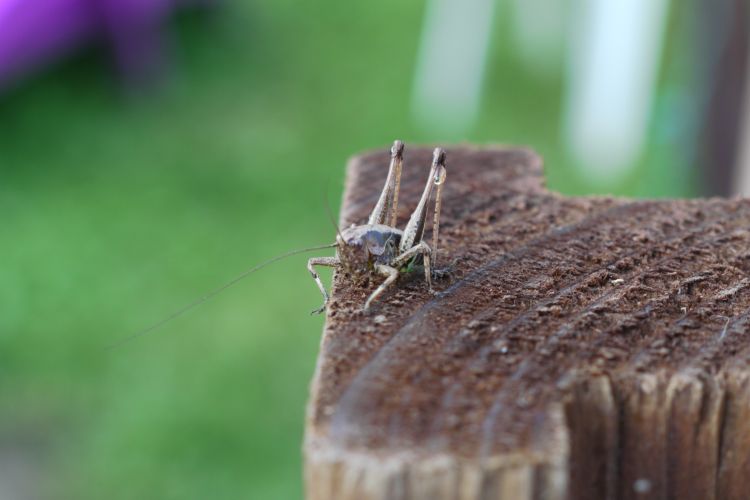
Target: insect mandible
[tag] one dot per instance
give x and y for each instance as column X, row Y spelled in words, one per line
column 379, row 246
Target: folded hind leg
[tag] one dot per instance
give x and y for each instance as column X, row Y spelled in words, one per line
column 391, row 273
column 425, row 251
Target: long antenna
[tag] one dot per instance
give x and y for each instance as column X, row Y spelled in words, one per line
column 329, row 212
column 215, row 292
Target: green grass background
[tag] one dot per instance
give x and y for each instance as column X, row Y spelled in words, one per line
column 116, row 210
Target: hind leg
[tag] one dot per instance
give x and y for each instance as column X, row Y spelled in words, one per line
column 391, row 273
column 425, row 251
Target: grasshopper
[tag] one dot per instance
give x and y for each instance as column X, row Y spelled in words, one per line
column 379, row 246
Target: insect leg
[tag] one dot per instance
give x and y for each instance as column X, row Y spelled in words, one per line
column 321, row 261
column 381, row 214
column 415, row 227
column 439, row 182
column 399, row 146
column 426, row 252
column 391, row 273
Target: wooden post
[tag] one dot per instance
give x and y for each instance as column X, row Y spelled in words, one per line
column 583, row 348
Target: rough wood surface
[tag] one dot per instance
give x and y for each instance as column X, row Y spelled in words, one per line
column 584, row 348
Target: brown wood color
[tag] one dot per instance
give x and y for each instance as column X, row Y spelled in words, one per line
column 583, row 348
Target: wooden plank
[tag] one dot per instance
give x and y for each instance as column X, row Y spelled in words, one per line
column 585, row 347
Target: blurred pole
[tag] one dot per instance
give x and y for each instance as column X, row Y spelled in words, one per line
column 741, row 184
column 539, row 33
column 451, row 64
column 612, row 70
column 723, row 158
column 675, row 124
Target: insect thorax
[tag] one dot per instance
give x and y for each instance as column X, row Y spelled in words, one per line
column 367, row 245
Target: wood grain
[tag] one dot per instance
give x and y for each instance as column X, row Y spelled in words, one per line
column 586, row 347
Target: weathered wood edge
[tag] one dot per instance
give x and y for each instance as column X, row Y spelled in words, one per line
column 334, row 473
column 690, row 427
column 692, row 430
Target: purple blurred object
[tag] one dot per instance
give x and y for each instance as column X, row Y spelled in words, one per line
column 36, row 32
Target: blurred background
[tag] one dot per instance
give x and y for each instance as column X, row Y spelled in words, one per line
column 151, row 150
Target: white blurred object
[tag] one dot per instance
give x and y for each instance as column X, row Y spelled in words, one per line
column 614, row 57
column 539, row 32
column 451, row 64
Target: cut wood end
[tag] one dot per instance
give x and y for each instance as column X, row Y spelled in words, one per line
column 579, row 348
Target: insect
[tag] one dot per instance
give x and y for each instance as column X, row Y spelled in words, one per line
column 379, row 246
column 376, row 246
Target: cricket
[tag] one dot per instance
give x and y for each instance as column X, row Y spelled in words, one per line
column 379, row 246
column 375, row 247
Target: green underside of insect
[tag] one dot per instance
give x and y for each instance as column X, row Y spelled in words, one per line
column 381, row 248
column 414, row 265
